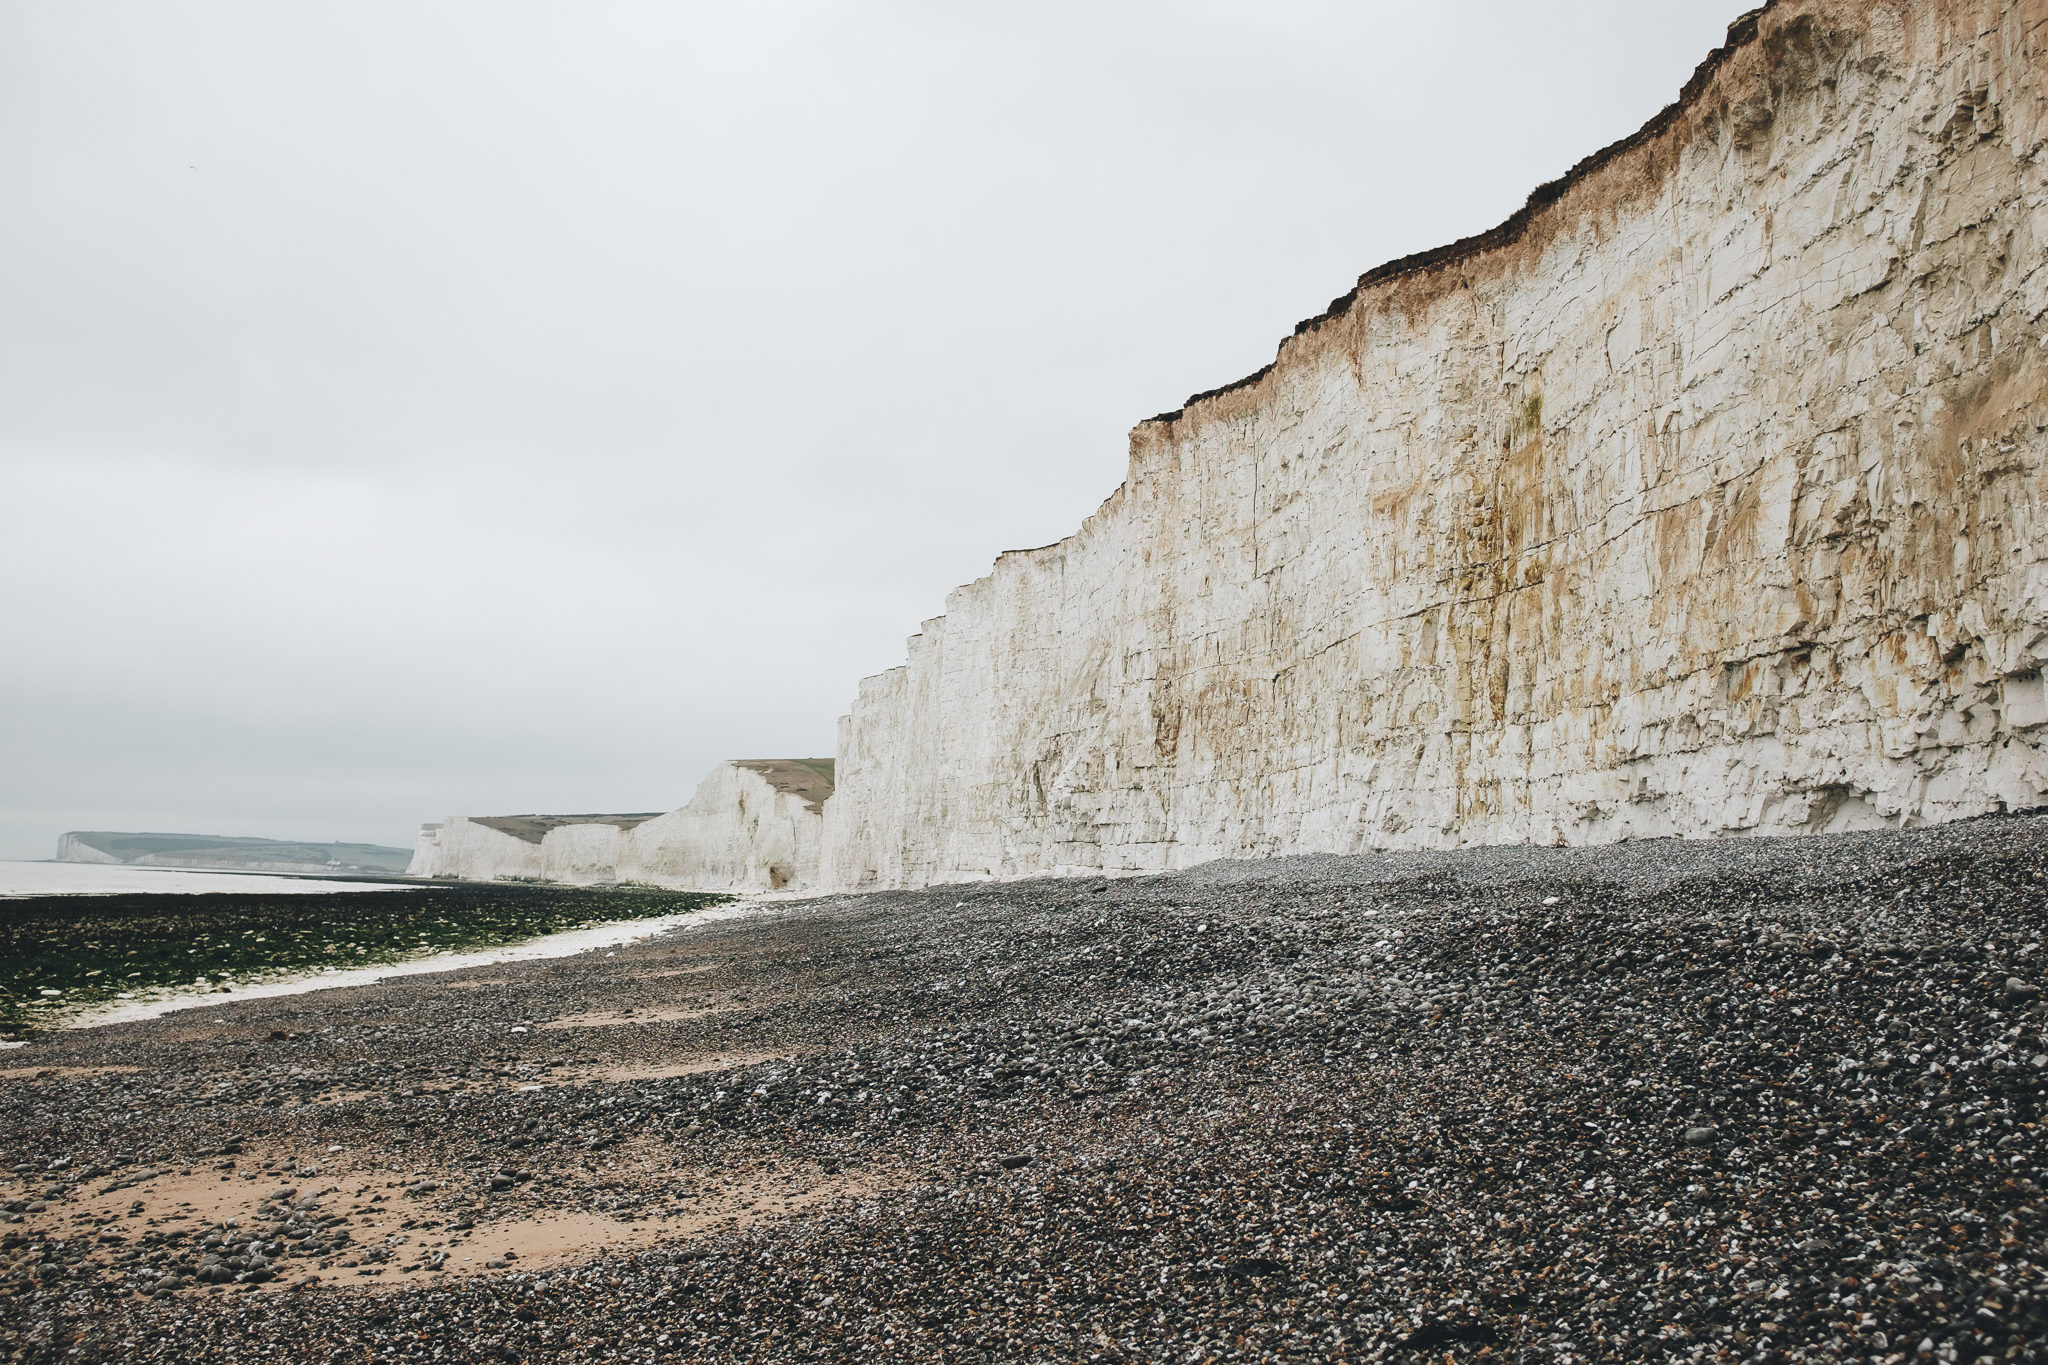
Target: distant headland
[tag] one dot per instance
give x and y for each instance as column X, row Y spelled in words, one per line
column 215, row 852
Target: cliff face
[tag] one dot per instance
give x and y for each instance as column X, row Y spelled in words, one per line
column 526, row 848
column 72, row 849
column 753, row 825
column 1702, row 498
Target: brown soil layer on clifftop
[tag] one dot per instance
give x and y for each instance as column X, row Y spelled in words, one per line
column 534, row 828
column 1630, row 183
column 807, row 778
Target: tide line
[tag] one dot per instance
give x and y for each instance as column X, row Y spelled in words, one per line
column 567, row 943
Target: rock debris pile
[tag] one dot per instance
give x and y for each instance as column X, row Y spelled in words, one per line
column 1771, row 1100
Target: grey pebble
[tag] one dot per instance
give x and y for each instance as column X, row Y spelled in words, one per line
column 1387, row 1108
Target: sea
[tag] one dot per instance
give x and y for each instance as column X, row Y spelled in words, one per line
column 98, row 879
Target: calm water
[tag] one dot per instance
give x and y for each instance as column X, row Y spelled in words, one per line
column 92, row 879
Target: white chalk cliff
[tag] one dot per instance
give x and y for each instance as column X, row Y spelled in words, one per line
column 1704, row 497
column 753, row 825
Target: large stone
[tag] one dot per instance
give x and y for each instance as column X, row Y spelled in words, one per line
column 1704, row 497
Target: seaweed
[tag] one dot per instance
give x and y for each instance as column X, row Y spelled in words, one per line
column 61, row 954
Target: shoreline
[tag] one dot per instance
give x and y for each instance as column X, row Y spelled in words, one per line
column 567, row 943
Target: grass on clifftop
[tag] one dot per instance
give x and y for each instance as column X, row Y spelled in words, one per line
column 59, row 954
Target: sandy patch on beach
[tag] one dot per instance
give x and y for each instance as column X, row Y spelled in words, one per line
column 583, row 1072
column 652, row 1014
column 114, row 1211
column 167, row 1195
column 409, row 1226
column 661, row 1071
column 63, row 1073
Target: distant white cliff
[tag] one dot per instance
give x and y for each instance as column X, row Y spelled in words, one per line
column 224, row 852
column 753, row 825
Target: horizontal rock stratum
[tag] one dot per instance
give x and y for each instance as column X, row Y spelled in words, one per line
column 1703, row 497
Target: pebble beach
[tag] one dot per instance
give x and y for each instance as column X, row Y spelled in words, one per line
column 1762, row 1100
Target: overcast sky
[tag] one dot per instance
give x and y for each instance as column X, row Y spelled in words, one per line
column 429, row 407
